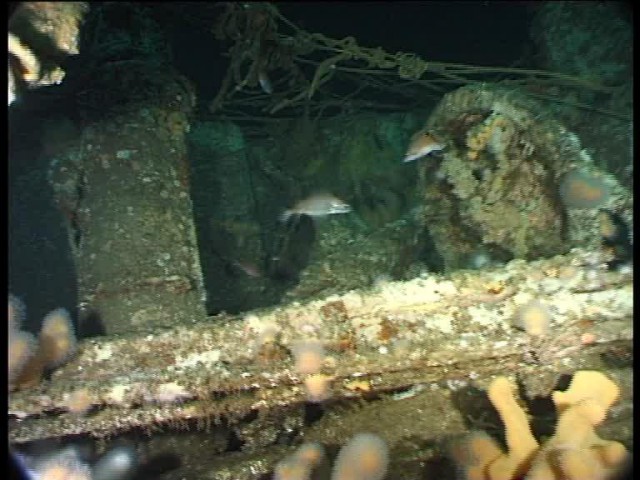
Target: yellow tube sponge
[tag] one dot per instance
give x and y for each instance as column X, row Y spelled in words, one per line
column 587, row 384
column 521, row 443
column 574, row 451
column 474, row 454
column 575, row 428
column 567, row 452
column 579, row 464
column 610, row 453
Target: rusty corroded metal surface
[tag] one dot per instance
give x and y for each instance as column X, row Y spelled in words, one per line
column 395, row 337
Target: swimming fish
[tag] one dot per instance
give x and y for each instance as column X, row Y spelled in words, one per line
column 422, row 143
column 317, row 205
column 250, row 269
column 265, row 83
column 616, row 238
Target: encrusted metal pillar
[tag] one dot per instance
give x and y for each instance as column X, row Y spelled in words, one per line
column 125, row 194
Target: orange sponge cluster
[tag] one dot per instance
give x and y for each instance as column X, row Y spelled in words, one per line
column 574, row 451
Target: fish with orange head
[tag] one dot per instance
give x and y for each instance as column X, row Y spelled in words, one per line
column 422, row 143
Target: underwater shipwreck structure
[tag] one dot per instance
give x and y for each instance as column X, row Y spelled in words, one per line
column 415, row 357
column 523, row 282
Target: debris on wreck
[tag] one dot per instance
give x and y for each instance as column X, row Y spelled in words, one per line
column 513, row 180
column 430, row 340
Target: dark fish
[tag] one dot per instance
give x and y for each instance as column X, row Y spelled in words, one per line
column 616, row 238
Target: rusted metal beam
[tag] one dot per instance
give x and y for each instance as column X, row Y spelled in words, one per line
column 396, row 337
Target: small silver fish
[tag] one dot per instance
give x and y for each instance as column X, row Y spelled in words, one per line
column 317, row 205
column 422, row 143
column 264, row 81
column 248, row 268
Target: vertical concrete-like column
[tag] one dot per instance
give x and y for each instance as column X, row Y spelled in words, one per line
column 125, row 195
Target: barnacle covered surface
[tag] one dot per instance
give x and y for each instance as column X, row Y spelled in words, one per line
column 125, row 182
column 428, row 345
column 497, row 182
column 408, row 360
